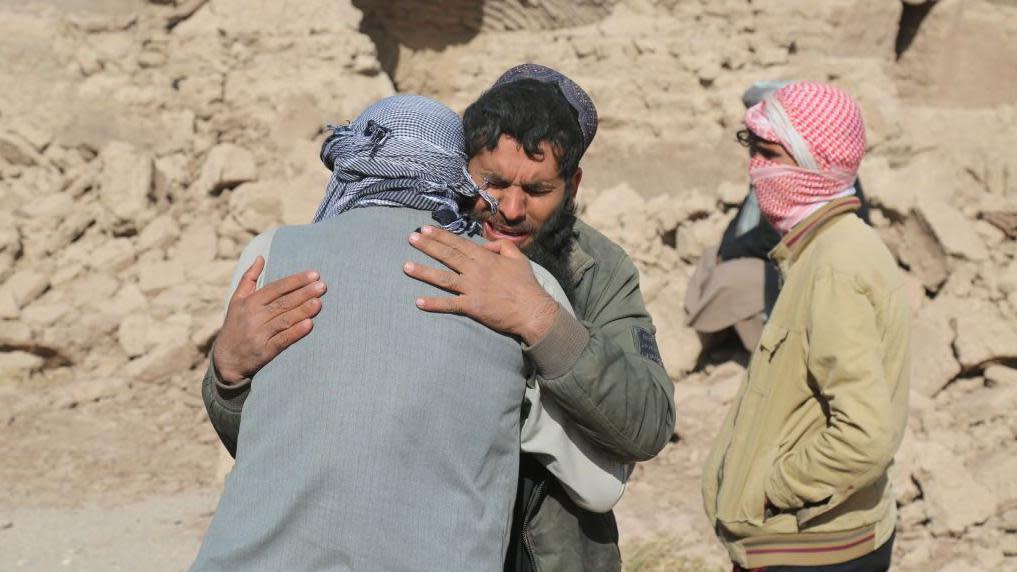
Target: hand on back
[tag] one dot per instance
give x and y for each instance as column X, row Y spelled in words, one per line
column 260, row 324
column 494, row 284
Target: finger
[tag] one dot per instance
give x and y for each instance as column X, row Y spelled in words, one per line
column 284, row 286
column 444, row 305
column 467, row 247
column 447, row 255
column 286, row 320
column 289, row 336
column 249, row 281
column 294, row 299
column 505, row 248
column 448, row 281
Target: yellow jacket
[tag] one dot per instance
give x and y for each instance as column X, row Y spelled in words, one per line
column 823, row 406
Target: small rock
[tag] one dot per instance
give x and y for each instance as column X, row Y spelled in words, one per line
column 17, row 151
column 164, row 361
column 25, row 286
column 170, row 174
column 932, row 362
column 9, row 308
column 19, row 362
column 197, row 245
column 133, row 335
column 1000, row 375
column 91, row 390
column 114, row 255
column 256, row 207
column 226, row 167
column 128, row 299
column 983, row 335
column 922, row 253
column 160, row 233
column 54, row 207
column 154, row 277
column 15, row 334
column 954, row 499
column 125, row 181
column 952, row 229
column 207, row 330
column 45, row 314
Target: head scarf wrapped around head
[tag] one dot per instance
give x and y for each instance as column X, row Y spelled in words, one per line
column 403, row 151
column 821, row 127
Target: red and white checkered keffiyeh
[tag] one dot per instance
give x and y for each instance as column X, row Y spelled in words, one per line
column 821, row 127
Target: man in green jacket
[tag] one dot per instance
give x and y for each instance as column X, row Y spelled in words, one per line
column 602, row 367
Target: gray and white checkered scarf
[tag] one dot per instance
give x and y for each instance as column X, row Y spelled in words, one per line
column 403, row 151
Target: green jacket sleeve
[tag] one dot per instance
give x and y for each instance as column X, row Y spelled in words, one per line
column 224, row 405
column 606, row 373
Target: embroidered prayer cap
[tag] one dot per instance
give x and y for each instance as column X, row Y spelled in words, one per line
column 578, row 99
column 819, row 124
column 403, row 151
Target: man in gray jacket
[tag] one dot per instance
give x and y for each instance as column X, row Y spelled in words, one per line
column 399, row 448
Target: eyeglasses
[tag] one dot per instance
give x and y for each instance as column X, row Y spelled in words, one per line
column 747, row 138
column 751, row 141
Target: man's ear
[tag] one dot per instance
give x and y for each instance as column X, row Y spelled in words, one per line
column 577, row 177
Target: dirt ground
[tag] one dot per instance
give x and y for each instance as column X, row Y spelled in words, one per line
column 142, row 143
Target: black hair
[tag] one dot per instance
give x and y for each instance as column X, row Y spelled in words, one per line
column 530, row 111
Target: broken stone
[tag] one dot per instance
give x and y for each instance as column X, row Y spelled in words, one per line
column 16, row 151
column 154, row 277
column 679, row 345
column 19, row 362
column 984, row 335
column 163, row 362
column 922, row 253
column 170, row 175
column 256, row 207
column 997, row 472
column 128, row 299
column 954, row 499
column 160, row 233
column 15, row 334
column 932, row 364
column 9, row 308
column 114, row 255
column 52, row 207
column 91, row 390
column 126, row 181
column 950, row 227
column 41, row 315
column 197, row 245
column 133, row 335
column 25, row 286
column 226, row 167
column 206, row 331
column 1004, row 221
column 70, row 229
column 998, row 374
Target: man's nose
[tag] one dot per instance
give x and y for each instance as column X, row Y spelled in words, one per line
column 512, row 204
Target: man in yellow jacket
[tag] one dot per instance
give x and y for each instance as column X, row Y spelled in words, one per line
column 797, row 478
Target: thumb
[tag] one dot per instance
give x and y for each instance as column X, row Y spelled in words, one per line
column 249, row 281
column 505, row 248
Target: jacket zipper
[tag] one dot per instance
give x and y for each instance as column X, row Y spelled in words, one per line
column 535, row 501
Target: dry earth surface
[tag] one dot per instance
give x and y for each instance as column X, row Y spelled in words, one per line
column 143, row 143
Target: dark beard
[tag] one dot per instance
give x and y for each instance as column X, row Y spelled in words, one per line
column 552, row 246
